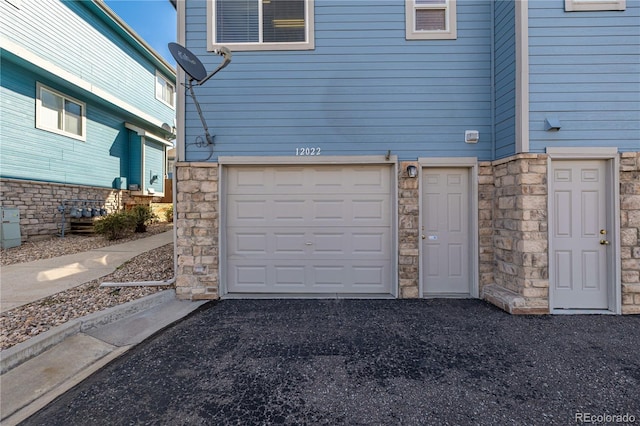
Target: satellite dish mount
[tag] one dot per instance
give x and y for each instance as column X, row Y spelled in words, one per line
column 198, row 74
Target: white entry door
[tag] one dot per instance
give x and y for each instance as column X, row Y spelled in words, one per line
column 580, row 235
column 312, row 229
column 445, row 232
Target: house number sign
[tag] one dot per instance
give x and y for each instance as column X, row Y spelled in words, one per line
column 307, row 151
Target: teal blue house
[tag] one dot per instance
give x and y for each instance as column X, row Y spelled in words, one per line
column 87, row 111
column 413, row 149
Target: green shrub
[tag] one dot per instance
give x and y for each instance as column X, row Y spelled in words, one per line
column 115, row 225
column 168, row 214
column 143, row 216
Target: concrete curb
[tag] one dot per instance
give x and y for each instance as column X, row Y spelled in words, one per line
column 22, row 352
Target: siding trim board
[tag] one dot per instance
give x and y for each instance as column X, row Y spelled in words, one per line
column 522, row 76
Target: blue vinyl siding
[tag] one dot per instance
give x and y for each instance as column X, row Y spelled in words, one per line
column 505, row 78
column 31, row 153
column 364, row 90
column 102, row 67
column 584, row 69
column 62, row 32
column 154, row 165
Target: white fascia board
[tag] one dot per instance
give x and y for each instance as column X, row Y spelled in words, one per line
column 73, row 79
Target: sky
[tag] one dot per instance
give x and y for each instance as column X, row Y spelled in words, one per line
column 153, row 20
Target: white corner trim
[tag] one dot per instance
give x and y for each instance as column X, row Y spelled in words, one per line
column 522, row 76
column 582, row 152
column 180, row 78
column 73, row 79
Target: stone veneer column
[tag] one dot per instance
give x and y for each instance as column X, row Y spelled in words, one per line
column 408, row 232
column 197, row 204
column 520, row 235
column 485, row 223
column 630, row 231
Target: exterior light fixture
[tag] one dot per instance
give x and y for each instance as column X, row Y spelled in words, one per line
column 412, row 171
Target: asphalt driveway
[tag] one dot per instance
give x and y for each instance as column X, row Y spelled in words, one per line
column 357, row 362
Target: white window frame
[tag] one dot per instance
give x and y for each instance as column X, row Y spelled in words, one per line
column 309, row 44
column 40, row 123
column 161, row 83
column 450, row 33
column 591, row 5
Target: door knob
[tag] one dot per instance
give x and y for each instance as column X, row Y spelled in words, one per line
column 423, row 237
column 604, row 242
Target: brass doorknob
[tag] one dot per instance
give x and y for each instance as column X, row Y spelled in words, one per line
column 604, row 242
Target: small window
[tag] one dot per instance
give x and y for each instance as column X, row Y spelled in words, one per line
column 59, row 113
column 165, row 91
column 587, row 5
column 262, row 24
column 430, row 19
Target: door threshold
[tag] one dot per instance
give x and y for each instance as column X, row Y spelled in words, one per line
column 559, row 311
column 448, row 296
column 230, row 296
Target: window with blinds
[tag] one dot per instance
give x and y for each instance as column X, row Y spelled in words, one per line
column 431, row 19
column 263, row 24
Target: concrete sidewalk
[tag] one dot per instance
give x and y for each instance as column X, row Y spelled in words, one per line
column 40, row 369
column 27, row 282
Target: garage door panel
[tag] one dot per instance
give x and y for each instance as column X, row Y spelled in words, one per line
column 317, row 243
column 250, row 243
column 308, row 180
column 319, row 277
column 308, row 229
column 318, row 210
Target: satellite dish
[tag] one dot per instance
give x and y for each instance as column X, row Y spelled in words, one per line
column 188, row 61
column 196, row 71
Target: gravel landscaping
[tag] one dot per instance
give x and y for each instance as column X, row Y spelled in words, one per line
column 24, row 322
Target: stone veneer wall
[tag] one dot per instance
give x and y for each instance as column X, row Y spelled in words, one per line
column 408, row 232
column 520, row 235
column 197, row 218
column 630, row 231
column 38, row 203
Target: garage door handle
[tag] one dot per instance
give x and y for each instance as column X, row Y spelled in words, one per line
column 308, row 243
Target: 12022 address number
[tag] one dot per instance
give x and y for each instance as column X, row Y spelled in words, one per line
column 308, row 151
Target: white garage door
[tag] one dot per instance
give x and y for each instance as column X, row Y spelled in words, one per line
column 308, row 229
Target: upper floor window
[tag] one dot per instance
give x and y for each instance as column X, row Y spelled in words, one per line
column 430, row 19
column 165, row 91
column 585, row 5
column 59, row 113
column 262, row 24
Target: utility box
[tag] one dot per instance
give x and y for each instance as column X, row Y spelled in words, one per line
column 10, row 228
